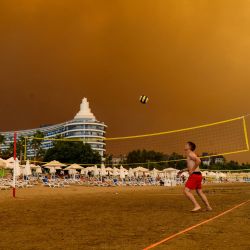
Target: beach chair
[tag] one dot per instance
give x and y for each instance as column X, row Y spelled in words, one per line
column 46, row 183
column 62, row 184
column 3, row 187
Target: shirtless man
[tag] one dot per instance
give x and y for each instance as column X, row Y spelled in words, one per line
column 195, row 178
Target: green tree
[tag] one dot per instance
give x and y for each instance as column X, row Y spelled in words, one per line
column 232, row 165
column 36, row 144
column 149, row 158
column 72, row 152
column 176, row 161
column 20, row 147
column 2, row 141
column 108, row 159
column 9, row 152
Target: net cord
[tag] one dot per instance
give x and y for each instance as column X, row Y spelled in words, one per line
column 157, row 134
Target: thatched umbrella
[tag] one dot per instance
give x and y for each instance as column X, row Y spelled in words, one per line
column 3, row 163
column 53, row 166
column 74, row 166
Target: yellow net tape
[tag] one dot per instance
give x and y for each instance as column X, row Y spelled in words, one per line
column 245, row 132
column 215, row 139
column 220, row 138
column 175, row 131
column 145, row 135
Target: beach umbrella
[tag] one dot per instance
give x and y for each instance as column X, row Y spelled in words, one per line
column 204, row 173
column 22, row 169
column 115, row 171
column 222, row 175
column 87, row 170
column 3, row 163
column 52, row 170
column 27, row 169
column 96, row 171
column 103, row 171
column 136, row 174
column 83, row 171
column 74, row 166
column 125, row 171
column 72, row 172
column 173, row 175
column 33, row 166
column 122, row 172
column 130, row 173
column 217, row 175
column 170, row 170
column 17, row 169
column 39, row 170
column 141, row 169
column 161, row 174
column 10, row 163
column 109, row 169
column 154, row 173
column 55, row 164
column 186, row 174
column 72, row 169
column 211, row 174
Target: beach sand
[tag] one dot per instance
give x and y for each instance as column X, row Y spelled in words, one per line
column 121, row 218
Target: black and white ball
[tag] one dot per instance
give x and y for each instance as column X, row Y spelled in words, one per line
column 144, row 99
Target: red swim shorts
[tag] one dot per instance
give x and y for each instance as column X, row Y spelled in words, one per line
column 194, row 181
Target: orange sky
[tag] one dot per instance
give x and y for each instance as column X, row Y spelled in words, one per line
column 190, row 57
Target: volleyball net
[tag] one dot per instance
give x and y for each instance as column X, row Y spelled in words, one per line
column 215, row 139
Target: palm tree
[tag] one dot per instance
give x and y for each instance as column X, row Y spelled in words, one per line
column 36, row 144
column 9, row 152
column 2, row 141
column 20, row 147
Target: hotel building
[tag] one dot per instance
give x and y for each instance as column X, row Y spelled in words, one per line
column 84, row 126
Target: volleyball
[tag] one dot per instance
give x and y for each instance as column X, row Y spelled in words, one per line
column 144, row 99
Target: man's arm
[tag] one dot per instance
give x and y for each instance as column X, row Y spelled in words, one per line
column 182, row 171
column 196, row 160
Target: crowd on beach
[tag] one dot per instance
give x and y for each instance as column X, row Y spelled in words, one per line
column 55, row 174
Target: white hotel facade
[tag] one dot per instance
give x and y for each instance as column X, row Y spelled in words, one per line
column 84, row 126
